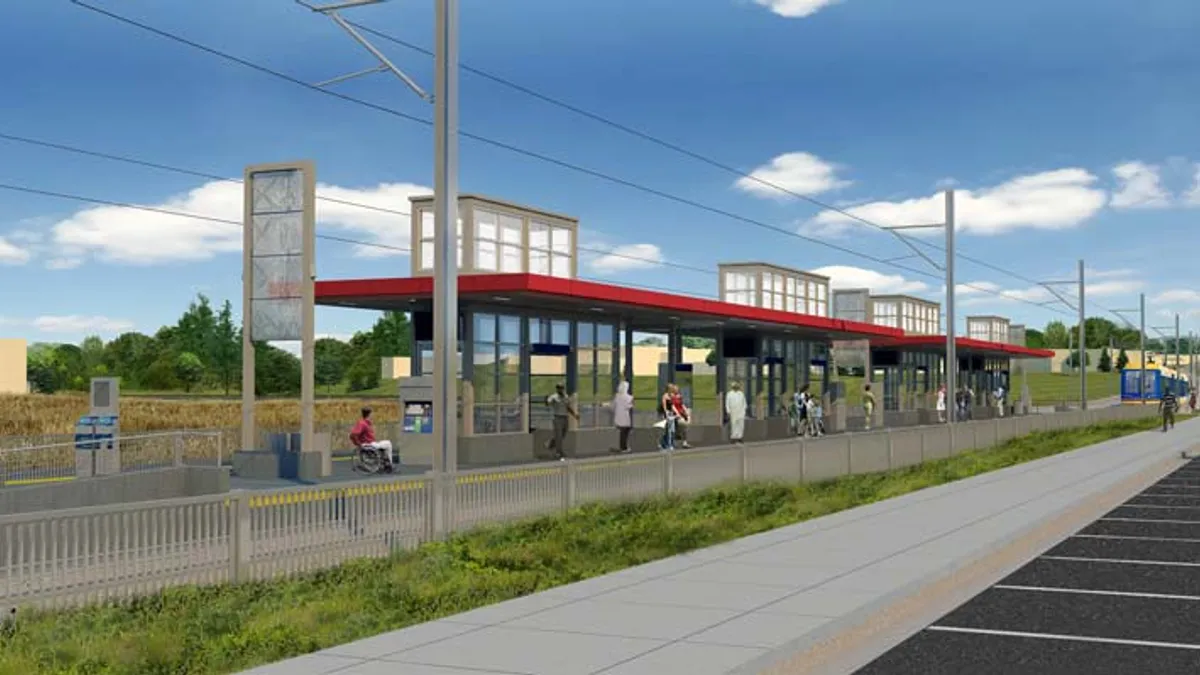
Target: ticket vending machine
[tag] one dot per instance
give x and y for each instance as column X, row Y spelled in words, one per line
column 416, row 420
column 97, row 434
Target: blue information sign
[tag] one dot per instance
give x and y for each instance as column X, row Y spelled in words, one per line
column 418, row 417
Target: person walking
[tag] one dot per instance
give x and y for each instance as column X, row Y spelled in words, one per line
column 941, row 404
column 560, row 407
column 735, row 409
column 999, row 394
column 1167, row 405
column 666, row 408
column 868, row 405
column 622, row 407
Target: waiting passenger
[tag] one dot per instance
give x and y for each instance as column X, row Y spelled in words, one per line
column 735, row 409
column 622, row 407
column 363, row 438
column 868, row 405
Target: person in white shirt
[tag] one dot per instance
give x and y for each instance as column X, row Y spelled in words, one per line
column 941, row 403
column 622, row 407
column 1000, row 400
column 735, row 408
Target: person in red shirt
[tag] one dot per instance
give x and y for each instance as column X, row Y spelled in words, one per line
column 682, row 412
column 363, row 437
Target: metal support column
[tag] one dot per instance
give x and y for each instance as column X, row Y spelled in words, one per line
column 627, row 345
column 1083, row 397
column 951, row 353
column 1142, row 334
column 445, row 247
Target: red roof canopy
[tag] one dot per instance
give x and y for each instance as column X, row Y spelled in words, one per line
column 647, row 311
column 964, row 345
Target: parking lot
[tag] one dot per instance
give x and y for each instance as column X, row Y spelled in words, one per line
column 1121, row 595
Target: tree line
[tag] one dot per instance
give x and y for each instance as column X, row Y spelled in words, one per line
column 202, row 351
column 1102, row 334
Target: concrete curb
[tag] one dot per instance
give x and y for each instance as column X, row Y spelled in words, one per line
column 851, row 641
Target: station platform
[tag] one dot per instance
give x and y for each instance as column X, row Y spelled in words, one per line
column 829, row 595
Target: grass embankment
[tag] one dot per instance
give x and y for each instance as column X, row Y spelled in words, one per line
column 225, row 629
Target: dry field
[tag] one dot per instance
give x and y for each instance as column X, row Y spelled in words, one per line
column 33, row 415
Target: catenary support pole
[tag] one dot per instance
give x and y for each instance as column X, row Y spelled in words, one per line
column 445, row 276
column 1083, row 402
column 1178, row 372
column 951, row 352
column 1142, row 384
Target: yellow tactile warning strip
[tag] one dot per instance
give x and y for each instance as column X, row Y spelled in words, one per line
column 856, row 646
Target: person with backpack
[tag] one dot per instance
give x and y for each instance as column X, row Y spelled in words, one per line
column 1167, row 406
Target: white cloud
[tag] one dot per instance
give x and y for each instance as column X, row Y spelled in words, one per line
column 139, row 237
column 11, row 254
column 795, row 9
column 798, row 172
column 627, row 257
column 1192, row 196
column 70, row 324
column 1051, row 200
column 842, row 276
column 1139, row 187
column 1177, row 295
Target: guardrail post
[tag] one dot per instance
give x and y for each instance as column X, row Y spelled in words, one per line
column 178, row 445
column 891, row 450
column 569, row 485
column 744, row 456
column 441, row 491
column 240, row 541
column 220, row 449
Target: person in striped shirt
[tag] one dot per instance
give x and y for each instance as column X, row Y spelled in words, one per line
column 1167, row 406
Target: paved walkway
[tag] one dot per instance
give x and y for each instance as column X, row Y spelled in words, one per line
column 1118, row 596
column 761, row 603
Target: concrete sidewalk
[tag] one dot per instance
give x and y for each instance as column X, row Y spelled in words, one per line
column 753, row 604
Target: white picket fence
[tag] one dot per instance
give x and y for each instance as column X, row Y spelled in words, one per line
column 79, row 556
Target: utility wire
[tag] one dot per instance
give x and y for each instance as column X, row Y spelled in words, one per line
column 202, row 174
column 656, row 140
column 327, row 237
column 533, row 155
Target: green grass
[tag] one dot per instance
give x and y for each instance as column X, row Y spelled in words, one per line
column 224, row 629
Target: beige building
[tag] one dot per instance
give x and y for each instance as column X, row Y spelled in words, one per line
column 13, row 378
column 646, row 359
column 769, row 286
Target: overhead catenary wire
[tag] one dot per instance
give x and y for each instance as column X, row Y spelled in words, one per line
column 534, row 155
column 327, row 237
column 677, row 148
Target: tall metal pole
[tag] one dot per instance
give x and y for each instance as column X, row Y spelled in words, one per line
column 951, row 353
column 1177, row 370
column 1083, row 397
column 445, row 247
column 1142, row 384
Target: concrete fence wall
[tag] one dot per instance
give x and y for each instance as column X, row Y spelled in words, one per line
column 81, row 555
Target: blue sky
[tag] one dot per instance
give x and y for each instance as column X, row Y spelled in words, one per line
column 1068, row 127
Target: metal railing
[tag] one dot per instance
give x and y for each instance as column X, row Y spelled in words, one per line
column 79, row 556
column 57, row 461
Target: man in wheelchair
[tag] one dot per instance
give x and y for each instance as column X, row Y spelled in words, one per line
column 372, row 454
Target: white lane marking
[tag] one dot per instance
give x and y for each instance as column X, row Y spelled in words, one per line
column 1088, row 591
column 1173, row 540
column 1156, row 506
column 1069, row 638
column 1118, row 561
column 1148, row 520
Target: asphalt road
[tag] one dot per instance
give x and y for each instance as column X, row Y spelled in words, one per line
column 1121, row 595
